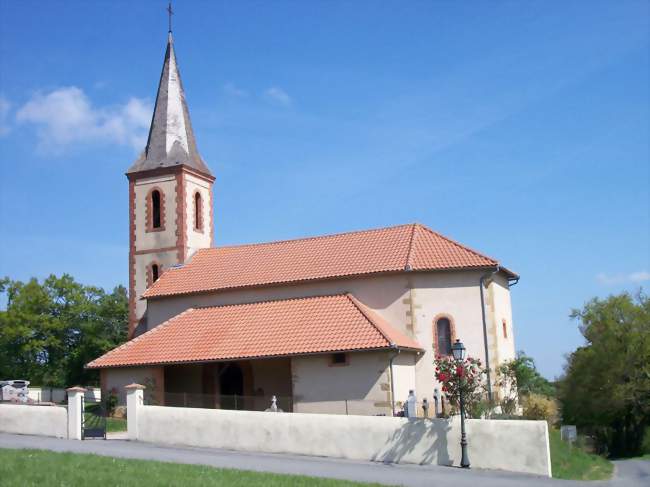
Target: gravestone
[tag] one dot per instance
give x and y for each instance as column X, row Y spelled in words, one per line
column 568, row 432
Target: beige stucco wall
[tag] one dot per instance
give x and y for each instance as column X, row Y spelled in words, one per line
column 404, row 375
column 410, row 302
column 155, row 240
column 361, row 386
column 383, row 293
column 451, row 294
column 501, row 310
column 518, row 446
column 195, row 239
column 145, row 241
column 117, row 378
column 165, row 260
column 149, row 243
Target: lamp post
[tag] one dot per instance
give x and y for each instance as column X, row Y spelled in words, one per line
column 458, row 351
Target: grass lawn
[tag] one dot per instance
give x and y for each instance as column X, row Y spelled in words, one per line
column 112, row 424
column 571, row 462
column 115, row 424
column 26, row 468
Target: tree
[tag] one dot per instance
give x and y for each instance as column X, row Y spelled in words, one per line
column 49, row 331
column 521, row 376
column 606, row 385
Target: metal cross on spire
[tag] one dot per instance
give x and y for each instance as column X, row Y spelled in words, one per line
column 170, row 12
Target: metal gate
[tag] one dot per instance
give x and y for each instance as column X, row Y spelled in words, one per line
column 93, row 419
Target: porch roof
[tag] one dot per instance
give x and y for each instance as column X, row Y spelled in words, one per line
column 321, row 324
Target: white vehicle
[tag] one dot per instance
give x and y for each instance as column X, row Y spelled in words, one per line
column 14, row 390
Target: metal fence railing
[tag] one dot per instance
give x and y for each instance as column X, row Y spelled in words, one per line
column 358, row 407
column 233, row 402
column 116, row 403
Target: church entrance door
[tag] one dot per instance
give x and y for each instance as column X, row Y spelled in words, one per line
column 231, row 386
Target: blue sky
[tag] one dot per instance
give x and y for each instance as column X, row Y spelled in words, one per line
column 518, row 128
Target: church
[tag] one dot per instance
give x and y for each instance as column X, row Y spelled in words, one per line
column 346, row 323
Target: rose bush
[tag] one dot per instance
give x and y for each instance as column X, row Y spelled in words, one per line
column 468, row 375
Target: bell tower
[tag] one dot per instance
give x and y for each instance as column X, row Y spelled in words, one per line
column 170, row 194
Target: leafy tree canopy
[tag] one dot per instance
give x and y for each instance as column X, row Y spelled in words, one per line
column 523, row 375
column 50, row 330
column 606, row 386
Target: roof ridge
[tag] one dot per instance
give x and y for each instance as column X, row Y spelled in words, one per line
column 135, row 340
column 314, row 237
column 456, row 243
column 373, row 318
column 396, row 249
column 407, row 265
column 361, row 307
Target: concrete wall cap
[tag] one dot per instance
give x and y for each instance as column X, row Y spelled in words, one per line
column 134, row 386
column 76, row 389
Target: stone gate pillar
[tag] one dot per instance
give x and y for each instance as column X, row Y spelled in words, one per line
column 75, row 411
column 134, row 400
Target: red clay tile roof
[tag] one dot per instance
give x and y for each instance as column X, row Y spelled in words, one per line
column 406, row 247
column 267, row 329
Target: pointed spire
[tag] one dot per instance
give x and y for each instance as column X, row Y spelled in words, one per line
column 170, row 12
column 171, row 139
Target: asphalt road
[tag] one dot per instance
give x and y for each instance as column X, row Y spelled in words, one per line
column 630, row 473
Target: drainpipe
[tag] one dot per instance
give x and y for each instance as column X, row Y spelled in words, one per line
column 485, row 337
column 392, row 382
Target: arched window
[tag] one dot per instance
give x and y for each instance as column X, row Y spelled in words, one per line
column 198, row 212
column 443, row 336
column 155, row 273
column 155, row 209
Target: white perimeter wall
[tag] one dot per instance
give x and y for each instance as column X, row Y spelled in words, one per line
column 518, row 446
column 34, row 420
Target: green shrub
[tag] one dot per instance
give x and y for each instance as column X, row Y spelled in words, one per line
column 645, row 444
column 508, row 406
column 111, row 402
column 480, row 409
column 537, row 406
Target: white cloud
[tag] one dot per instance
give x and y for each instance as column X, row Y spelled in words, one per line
column 632, row 278
column 233, row 90
column 278, row 95
column 5, row 106
column 66, row 116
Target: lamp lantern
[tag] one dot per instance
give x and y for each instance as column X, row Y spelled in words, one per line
column 458, row 351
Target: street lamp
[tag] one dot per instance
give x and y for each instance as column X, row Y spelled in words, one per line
column 458, row 351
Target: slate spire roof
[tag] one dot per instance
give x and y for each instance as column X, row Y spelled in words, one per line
column 171, row 140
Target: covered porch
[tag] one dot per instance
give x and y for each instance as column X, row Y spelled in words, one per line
column 315, row 354
column 243, row 384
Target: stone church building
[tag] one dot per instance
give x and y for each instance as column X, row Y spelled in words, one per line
column 344, row 323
